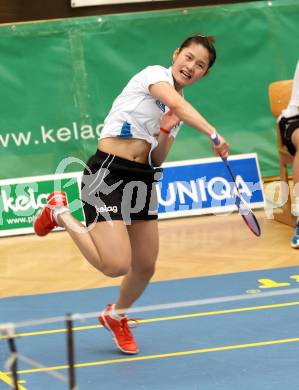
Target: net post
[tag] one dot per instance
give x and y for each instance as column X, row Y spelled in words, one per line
column 12, row 362
column 71, row 352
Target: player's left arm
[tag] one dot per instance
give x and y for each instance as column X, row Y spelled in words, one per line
column 166, row 136
column 167, row 94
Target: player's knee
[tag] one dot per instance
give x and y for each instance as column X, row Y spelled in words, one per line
column 115, row 272
column 146, row 271
column 116, row 269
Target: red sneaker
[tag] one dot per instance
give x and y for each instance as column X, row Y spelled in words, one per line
column 45, row 222
column 120, row 329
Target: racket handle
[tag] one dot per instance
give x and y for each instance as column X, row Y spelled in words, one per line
column 215, row 139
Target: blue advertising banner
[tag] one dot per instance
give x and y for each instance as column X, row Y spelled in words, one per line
column 204, row 186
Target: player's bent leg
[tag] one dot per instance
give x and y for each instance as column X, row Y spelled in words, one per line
column 106, row 245
column 56, row 213
column 112, row 241
column 81, row 237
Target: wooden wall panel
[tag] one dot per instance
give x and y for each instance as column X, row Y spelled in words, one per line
column 13, row 11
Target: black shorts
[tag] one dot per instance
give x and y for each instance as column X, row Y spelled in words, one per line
column 114, row 188
column 287, row 127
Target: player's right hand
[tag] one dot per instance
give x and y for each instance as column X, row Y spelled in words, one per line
column 221, row 147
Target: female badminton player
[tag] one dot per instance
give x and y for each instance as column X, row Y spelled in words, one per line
column 118, row 186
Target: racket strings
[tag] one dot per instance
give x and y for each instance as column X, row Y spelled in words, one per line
column 244, row 209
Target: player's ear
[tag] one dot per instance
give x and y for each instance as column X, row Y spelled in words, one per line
column 175, row 54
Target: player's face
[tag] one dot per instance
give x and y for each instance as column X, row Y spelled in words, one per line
column 190, row 64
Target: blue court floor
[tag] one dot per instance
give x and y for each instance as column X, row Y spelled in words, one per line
column 248, row 344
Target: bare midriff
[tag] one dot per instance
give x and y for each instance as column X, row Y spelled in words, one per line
column 132, row 149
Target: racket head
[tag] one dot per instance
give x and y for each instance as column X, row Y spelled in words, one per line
column 252, row 223
column 248, row 216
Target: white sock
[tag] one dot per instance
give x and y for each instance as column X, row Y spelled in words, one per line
column 57, row 211
column 115, row 315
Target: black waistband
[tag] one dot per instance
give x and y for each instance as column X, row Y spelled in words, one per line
column 120, row 160
column 122, row 164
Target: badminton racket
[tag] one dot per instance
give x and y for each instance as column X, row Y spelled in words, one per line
column 243, row 208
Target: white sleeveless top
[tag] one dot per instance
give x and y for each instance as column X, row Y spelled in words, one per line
column 136, row 113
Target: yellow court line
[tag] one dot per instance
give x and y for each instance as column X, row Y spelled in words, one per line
column 160, row 356
column 6, row 379
column 169, row 318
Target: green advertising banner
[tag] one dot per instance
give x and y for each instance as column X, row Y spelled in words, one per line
column 59, row 78
column 21, row 199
